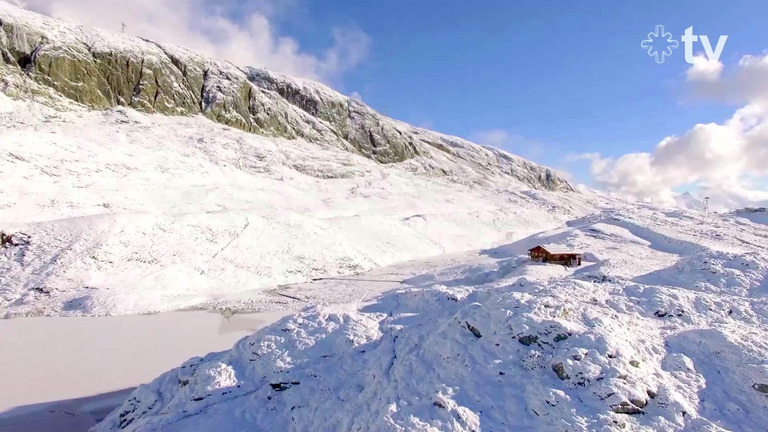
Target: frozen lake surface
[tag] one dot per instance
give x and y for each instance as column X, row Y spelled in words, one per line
column 61, row 371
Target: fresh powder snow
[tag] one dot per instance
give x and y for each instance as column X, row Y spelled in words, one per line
column 134, row 213
column 662, row 328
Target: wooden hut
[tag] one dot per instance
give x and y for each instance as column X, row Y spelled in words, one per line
column 555, row 254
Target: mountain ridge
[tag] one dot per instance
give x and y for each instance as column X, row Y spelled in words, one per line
column 102, row 70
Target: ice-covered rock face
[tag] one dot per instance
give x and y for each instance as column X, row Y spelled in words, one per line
column 45, row 57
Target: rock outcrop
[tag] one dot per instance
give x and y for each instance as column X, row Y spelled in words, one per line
column 43, row 56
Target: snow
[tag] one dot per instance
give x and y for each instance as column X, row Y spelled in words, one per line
column 761, row 218
column 52, row 366
column 660, row 329
column 492, row 341
column 340, row 122
column 419, row 309
column 134, row 213
column 6, row 104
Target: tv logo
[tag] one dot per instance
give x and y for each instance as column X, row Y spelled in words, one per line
column 659, row 44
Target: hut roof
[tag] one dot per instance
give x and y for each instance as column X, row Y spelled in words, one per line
column 557, row 249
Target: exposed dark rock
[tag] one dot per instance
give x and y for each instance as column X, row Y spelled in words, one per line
column 528, row 340
column 282, row 386
column 474, row 330
column 560, row 371
column 762, row 388
column 627, row 408
column 14, row 239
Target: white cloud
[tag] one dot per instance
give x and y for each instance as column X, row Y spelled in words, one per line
column 356, row 96
column 704, row 70
column 752, row 79
column 494, row 137
column 734, row 196
column 210, row 29
column 727, row 161
column 718, row 158
column 426, row 124
column 746, row 84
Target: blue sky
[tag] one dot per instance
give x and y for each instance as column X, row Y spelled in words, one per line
column 561, row 76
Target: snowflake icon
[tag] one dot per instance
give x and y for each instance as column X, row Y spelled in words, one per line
column 659, row 44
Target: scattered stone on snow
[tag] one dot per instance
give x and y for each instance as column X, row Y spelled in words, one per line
column 560, row 371
column 528, row 340
column 282, row 386
column 13, row 239
column 627, row 408
column 473, row 329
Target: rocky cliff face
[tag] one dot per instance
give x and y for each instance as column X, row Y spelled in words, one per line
column 45, row 57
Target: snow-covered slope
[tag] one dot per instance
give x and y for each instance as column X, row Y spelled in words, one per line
column 662, row 329
column 142, row 177
column 756, row 215
column 128, row 212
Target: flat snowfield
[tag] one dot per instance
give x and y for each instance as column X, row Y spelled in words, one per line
column 48, row 363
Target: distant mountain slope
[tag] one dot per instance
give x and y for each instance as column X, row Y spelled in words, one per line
column 122, row 194
column 687, row 201
column 52, row 59
column 125, row 212
column 756, row 215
